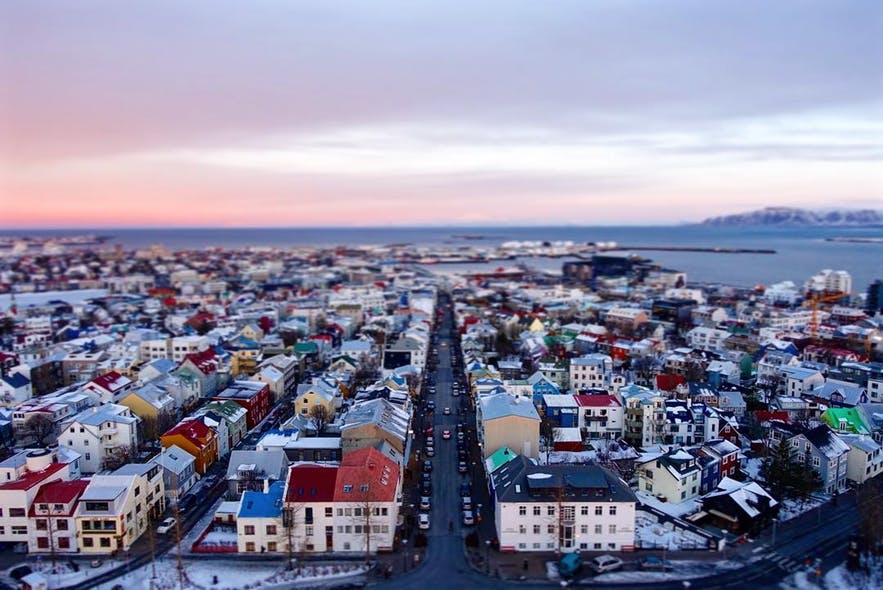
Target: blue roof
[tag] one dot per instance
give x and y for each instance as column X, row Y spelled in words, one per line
column 261, row 505
column 16, row 380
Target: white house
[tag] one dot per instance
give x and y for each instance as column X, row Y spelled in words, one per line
column 561, row 508
column 103, row 435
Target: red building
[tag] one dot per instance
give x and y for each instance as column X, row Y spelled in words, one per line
column 254, row 396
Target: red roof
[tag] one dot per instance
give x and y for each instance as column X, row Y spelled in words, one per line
column 764, row 415
column 668, row 382
column 205, row 361
column 597, row 401
column 60, row 492
column 32, row 478
column 311, row 483
column 111, row 381
column 193, row 430
column 366, row 467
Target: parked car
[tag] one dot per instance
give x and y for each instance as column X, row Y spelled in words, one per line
column 465, row 489
column 427, row 466
column 430, row 451
column 656, row 564
column 461, row 467
column 466, row 502
column 447, row 411
column 166, row 526
column 186, row 503
column 430, row 405
column 425, row 503
column 423, row 522
column 605, row 563
column 446, row 434
column 468, row 518
column 426, row 488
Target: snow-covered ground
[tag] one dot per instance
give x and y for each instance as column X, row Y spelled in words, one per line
column 793, row 508
column 682, row 570
column 62, row 575
column 649, row 533
column 219, row 574
column 679, row 510
column 836, row 579
column 190, row 538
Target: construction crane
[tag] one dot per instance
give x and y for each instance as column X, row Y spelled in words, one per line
column 813, row 302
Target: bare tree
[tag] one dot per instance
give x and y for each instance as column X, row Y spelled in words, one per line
column 320, row 416
column 152, row 428
column 367, row 517
column 41, row 428
column 118, row 456
column 294, row 534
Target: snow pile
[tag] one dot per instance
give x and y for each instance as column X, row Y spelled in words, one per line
column 233, row 575
column 794, row 508
column 62, row 574
column 650, row 534
column 678, row 510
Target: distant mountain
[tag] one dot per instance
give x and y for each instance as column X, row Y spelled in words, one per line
column 794, row 217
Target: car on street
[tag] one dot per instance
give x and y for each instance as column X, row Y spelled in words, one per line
column 655, row 564
column 426, row 489
column 447, row 411
column 430, row 405
column 166, row 526
column 460, row 436
column 465, row 489
column 446, row 434
column 461, row 454
column 456, row 393
column 426, row 477
column 430, row 451
column 468, row 518
column 605, row 563
column 425, row 503
column 423, row 522
column 461, row 467
column 428, row 431
column 430, row 441
column 466, row 503
column 186, row 503
column 427, row 466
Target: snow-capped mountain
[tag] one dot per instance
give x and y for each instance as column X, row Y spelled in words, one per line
column 794, row 217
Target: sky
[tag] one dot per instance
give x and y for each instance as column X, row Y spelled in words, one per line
column 287, row 113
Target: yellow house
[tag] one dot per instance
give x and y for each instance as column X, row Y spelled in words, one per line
column 320, row 393
column 153, row 405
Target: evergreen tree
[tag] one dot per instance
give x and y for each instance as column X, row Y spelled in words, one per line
column 776, row 471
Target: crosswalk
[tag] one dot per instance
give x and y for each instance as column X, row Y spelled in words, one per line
column 783, row 561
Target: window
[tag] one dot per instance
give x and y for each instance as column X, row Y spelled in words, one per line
column 64, row 543
column 536, row 529
column 597, row 545
column 249, row 529
column 550, row 529
column 41, row 524
column 612, row 511
column 599, row 529
column 88, row 456
column 43, row 542
column 271, row 546
column 522, row 511
column 584, row 511
column 104, row 541
column 88, row 542
column 611, row 529
column 61, row 525
column 522, row 529
column 536, row 510
column 271, row 529
column 329, row 512
column 550, row 510
column 347, row 489
column 249, row 546
column 583, row 529
column 308, row 530
column 363, row 487
column 599, row 510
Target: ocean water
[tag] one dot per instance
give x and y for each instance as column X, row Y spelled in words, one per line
column 800, row 252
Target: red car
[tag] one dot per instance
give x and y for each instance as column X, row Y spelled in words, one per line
column 446, row 434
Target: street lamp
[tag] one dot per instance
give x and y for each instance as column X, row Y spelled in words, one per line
column 775, row 521
column 405, row 555
column 487, row 555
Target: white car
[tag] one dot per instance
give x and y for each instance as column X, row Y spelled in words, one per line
column 166, row 526
column 605, row 563
column 425, row 503
column 423, row 522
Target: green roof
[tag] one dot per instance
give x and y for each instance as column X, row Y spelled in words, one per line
column 499, row 458
column 833, row 416
column 306, row 347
